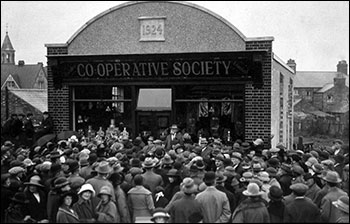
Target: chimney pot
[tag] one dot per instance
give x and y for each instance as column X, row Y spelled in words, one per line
column 342, row 67
column 291, row 63
column 21, row 62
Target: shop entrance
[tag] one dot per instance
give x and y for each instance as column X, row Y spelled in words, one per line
column 153, row 112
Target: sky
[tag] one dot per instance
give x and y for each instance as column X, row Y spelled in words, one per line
column 313, row 33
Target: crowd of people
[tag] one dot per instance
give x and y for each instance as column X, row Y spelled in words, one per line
column 176, row 180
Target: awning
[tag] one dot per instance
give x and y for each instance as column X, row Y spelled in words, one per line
column 154, row 100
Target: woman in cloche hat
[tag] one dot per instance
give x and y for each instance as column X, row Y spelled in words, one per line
column 106, row 210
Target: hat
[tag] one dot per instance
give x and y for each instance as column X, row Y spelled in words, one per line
column 167, row 159
column 252, row 190
column 34, row 180
column 311, row 161
column 83, row 162
column 73, row 165
column 55, row 154
column 28, row 162
column 237, row 155
column 327, row 162
column 173, row 173
column 200, row 164
column 174, row 126
column 60, row 182
column 209, row 177
column 286, row 167
column 105, row 190
column 234, row 182
column 257, row 167
column 20, row 197
column 188, row 185
column 148, row 163
column 236, row 146
column 314, row 154
column 339, row 141
column 298, row 170
column 332, row 177
column 271, row 171
column 342, row 203
column 16, row 170
column 16, row 162
column 317, row 168
column 275, row 193
column 264, row 176
column 299, row 188
column 280, row 145
column 160, row 213
column 220, row 178
column 87, row 187
column 103, row 167
column 272, row 150
column 246, row 176
column 257, row 181
column 135, row 170
column 159, row 152
column 258, row 141
column 9, row 143
column 273, row 162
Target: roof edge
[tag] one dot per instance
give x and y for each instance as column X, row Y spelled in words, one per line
column 138, row 2
column 268, row 38
column 281, row 62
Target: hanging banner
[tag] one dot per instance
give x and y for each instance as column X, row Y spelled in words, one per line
column 226, row 108
column 203, row 108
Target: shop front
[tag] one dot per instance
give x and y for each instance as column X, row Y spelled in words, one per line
column 144, row 66
column 203, row 93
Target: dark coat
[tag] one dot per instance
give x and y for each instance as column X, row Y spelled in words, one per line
column 177, row 140
column 302, row 210
column 86, row 210
column 276, row 211
column 251, row 211
column 6, row 194
column 285, row 181
column 230, row 196
column 182, row 208
column 53, row 199
column 37, row 210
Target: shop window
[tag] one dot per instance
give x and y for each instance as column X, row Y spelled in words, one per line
column 100, row 106
column 210, row 111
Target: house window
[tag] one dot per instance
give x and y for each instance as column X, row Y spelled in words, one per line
column 308, row 95
column 11, row 84
column 330, row 99
column 296, row 92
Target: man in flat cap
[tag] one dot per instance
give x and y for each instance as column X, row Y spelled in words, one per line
column 301, row 209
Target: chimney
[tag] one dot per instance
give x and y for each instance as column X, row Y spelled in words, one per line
column 339, row 80
column 342, row 67
column 291, row 63
column 20, row 63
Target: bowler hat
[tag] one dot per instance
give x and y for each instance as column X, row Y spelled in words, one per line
column 159, row 152
column 299, row 188
column 20, row 197
column 271, row 171
column 103, row 167
column 342, row 203
column 188, row 186
column 167, row 159
column 252, row 190
column 237, row 155
column 200, row 164
column 34, row 180
column 174, row 126
column 275, row 193
column 273, row 162
column 73, row 165
column 332, row 177
column 317, row 168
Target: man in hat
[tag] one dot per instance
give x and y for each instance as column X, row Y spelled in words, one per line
column 220, row 185
column 285, row 178
column 252, row 209
column 301, row 208
column 37, row 198
column 313, row 187
column 327, row 213
column 342, row 204
column 151, row 179
column 181, row 209
column 337, row 147
column 17, row 210
column 46, row 126
column 103, row 171
column 175, row 137
column 276, row 206
column 74, row 178
column 215, row 204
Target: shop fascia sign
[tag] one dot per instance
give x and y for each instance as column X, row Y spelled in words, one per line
column 245, row 65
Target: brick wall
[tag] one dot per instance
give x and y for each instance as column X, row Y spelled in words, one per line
column 58, row 98
column 258, row 101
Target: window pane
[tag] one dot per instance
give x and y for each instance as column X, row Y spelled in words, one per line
column 154, row 100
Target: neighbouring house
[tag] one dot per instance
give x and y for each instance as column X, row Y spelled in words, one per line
column 23, row 87
column 321, row 102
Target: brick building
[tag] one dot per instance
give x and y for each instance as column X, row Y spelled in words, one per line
column 23, row 87
column 152, row 64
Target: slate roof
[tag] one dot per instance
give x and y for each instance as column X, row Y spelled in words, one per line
column 315, row 79
column 24, row 75
column 326, row 87
column 35, row 97
column 7, row 45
